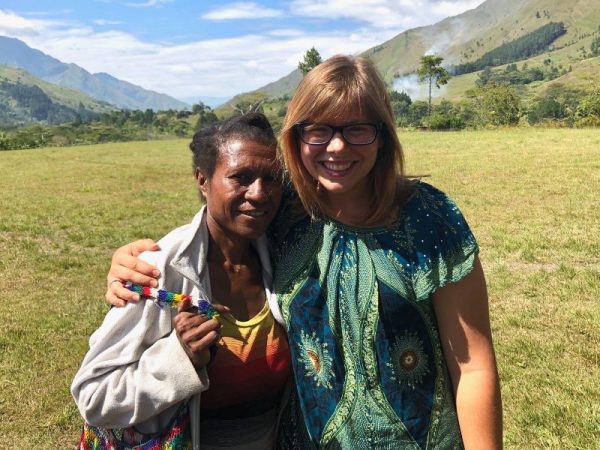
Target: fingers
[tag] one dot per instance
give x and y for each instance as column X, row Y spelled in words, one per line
column 184, row 305
column 203, row 343
column 125, row 266
column 125, row 274
column 123, row 259
column 113, row 300
column 196, row 333
column 118, row 293
column 221, row 308
column 142, row 245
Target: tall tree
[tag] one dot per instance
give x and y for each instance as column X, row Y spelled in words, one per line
column 312, row 59
column 431, row 71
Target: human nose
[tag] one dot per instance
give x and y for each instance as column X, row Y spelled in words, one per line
column 337, row 142
column 257, row 191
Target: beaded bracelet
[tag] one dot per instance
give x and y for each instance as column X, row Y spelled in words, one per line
column 171, row 299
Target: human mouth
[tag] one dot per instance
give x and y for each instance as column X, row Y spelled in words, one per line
column 336, row 168
column 255, row 213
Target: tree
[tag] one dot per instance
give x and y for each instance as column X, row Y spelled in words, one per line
column 246, row 106
column 495, row 104
column 400, row 102
column 589, row 106
column 206, row 117
column 312, row 59
column 4, row 141
column 199, row 107
column 431, row 71
column 595, row 47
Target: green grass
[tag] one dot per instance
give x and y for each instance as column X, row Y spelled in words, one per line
column 530, row 195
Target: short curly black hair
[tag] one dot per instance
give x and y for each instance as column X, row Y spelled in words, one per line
column 209, row 141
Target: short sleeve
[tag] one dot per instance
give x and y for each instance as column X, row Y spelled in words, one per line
column 444, row 248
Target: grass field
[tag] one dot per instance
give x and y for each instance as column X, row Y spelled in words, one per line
column 531, row 196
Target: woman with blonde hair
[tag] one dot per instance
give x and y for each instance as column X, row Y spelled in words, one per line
column 380, row 285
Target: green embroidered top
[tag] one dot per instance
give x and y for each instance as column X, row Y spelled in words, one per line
column 363, row 337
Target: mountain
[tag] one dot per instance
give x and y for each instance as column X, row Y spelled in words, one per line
column 466, row 37
column 101, row 86
column 27, row 99
column 213, row 102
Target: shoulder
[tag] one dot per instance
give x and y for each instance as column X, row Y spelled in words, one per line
column 175, row 241
column 424, row 196
column 443, row 246
column 427, row 206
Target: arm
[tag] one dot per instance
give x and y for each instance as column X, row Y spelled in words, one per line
column 135, row 369
column 463, row 318
column 143, row 361
column 126, row 266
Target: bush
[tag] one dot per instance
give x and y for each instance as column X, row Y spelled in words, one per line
column 589, row 106
column 415, row 114
column 546, row 108
column 495, row 105
column 588, row 122
column 446, row 116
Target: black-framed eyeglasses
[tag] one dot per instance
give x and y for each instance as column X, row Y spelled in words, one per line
column 354, row 133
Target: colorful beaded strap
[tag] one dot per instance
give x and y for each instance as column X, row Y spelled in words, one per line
column 171, row 299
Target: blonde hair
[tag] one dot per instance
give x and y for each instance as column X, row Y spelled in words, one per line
column 327, row 92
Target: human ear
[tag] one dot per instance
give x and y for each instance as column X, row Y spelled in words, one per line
column 201, row 181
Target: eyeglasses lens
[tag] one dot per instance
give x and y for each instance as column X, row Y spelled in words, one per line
column 356, row 134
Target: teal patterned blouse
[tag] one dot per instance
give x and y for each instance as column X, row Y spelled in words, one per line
column 357, row 305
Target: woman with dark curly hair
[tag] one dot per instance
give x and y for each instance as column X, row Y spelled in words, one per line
column 145, row 361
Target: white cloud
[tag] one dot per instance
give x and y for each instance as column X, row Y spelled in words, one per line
column 215, row 67
column 103, row 22
column 220, row 67
column 242, row 10
column 13, row 25
column 397, row 14
column 149, row 3
column 286, row 32
column 48, row 13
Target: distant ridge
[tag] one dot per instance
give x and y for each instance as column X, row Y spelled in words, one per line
column 101, row 86
column 25, row 99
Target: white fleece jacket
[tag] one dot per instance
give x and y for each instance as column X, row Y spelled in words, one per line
column 136, row 372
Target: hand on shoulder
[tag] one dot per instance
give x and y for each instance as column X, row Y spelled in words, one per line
column 127, row 266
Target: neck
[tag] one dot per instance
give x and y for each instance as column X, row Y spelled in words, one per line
column 349, row 209
column 225, row 248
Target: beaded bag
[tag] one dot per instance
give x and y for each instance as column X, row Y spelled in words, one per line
column 177, row 436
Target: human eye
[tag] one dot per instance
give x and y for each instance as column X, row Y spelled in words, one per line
column 316, row 132
column 240, row 177
column 362, row 129
column 272, row 179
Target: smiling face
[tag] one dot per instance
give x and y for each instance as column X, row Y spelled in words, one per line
column 244, row 191
column 341, row 169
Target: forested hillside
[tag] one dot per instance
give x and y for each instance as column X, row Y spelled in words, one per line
column 526, row 46
column 487, row 29
column 511, row 61
column 27, row 99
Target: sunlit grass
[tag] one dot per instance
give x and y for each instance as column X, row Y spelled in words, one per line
column 531, row 197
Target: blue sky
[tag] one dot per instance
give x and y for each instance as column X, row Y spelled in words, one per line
column 201, row 49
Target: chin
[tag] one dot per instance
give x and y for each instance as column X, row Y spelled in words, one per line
column 250, row 233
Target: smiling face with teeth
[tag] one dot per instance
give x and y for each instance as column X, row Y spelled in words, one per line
column 244, row 191
column 342, row 169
